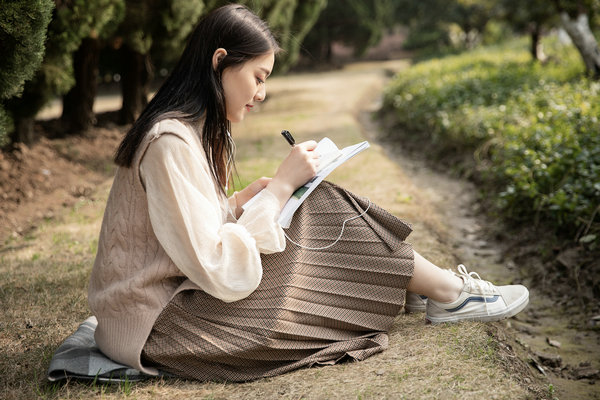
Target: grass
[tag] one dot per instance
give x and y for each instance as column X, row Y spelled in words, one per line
column 43, row 283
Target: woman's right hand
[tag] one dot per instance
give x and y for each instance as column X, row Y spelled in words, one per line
column 299, row 167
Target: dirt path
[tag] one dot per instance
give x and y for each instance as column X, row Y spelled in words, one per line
column 52, row 262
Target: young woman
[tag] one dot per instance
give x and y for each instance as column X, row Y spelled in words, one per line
column 186, row 281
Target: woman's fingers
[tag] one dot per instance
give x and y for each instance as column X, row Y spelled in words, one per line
column 306, row 155
column 309, row 145
column 299, row 167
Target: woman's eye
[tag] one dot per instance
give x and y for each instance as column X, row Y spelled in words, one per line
column 259, row 81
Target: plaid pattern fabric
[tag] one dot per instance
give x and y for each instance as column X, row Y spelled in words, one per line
column 312, row 306
column 78, row 357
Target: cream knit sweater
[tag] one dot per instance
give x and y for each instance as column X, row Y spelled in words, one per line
column 167, row 228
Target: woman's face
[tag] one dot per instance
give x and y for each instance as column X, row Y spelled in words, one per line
column 245, row 85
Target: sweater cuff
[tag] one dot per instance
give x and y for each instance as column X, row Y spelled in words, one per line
column 233, row 208
column 261, row 221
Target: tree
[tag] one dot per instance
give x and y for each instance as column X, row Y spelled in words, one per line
column 427, row 21
column 23, row 27
column 358, row 24
column 575, row 17
column 440, row 24
column 156, row 30
column 71, row 21
column 78, row 103
column 472, row 16
column 290, row 20
column 77, row 31
column 163, row 24
column 530, row 17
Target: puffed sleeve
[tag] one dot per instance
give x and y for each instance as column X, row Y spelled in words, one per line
column 222, row 258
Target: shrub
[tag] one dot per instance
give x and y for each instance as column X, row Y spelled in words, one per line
column 532, row 130
column 23, row 27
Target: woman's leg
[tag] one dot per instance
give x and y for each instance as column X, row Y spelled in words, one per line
column 435, row 283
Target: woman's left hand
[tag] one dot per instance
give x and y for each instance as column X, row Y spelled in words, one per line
column 244, row 195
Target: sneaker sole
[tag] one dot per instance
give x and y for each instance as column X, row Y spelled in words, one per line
column 414, row 308
column 516, row 308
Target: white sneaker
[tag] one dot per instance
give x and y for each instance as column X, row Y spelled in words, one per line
column 479, row 301
column 415, row 303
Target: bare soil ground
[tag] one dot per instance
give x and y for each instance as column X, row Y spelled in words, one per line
column 53, row 197
column 39, row 181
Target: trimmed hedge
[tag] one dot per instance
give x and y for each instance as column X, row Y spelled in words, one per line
column 533, row 130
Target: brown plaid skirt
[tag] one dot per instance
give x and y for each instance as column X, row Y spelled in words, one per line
column 311, row 307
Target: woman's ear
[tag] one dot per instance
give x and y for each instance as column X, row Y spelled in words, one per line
column 218, row 56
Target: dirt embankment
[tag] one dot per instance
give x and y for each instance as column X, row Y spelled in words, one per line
column 38, row 181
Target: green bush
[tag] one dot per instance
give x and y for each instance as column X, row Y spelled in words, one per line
column 532, row 129
column 23, row 26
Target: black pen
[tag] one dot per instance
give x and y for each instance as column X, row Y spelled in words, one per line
column 288, row 136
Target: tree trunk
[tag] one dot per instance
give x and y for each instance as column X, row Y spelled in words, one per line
column 535, row 40
column 23, row 132
column 78, row 103
column 136, row 75
column 327, row 52
column 583, row 38
column 537, row 51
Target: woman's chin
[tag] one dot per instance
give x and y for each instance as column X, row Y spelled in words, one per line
column 236, row 118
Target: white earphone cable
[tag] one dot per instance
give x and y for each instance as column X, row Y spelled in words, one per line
column 338, row 238
column 229, row 159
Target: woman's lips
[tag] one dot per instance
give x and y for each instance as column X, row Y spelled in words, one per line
column 249, row 107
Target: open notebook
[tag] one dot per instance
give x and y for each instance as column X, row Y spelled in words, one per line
column 330, row 157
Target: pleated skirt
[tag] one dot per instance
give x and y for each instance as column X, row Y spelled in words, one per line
column 313, row 306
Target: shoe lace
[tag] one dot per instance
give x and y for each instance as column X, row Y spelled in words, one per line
column 474, row 279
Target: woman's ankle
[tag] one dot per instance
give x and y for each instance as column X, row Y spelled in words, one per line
column 450, row 292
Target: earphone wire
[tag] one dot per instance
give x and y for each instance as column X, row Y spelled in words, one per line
column 338, row 238
column 229, row 159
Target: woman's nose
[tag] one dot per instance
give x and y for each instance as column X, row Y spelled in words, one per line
column 261, row 93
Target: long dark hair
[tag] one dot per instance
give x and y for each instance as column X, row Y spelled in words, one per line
column 193, row 91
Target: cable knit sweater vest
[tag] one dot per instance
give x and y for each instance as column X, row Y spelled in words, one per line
column 133, row 279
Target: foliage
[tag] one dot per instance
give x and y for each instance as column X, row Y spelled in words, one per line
column 532, row 128
column 293, row 33
column 359, row 24
column 176, row 20
column 22, row 35
column 473, row 15
column 159, row 24
column 154, row 32
column 523, row 14
column 440, row 25
column 590, row 7
column 445, row 26
column 289, row 20
column 71, row 22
